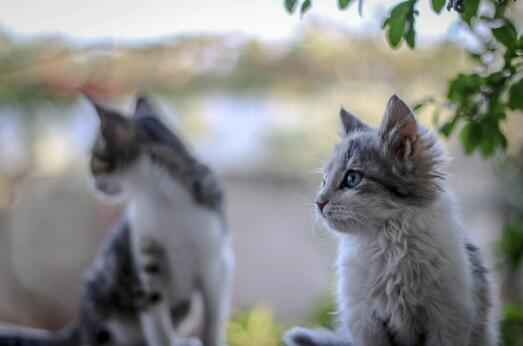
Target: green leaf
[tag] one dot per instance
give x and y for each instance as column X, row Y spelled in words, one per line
column 503, row 141
column 507, row 35
column 489, row 138
column 512, row 243
column 305, row 6
column 437, row 5
column 410, row 34
column 290, row 5
column 516, row 95
column 396, row 28
column 400, row 10
column 487, row 146
column 470, row 137
column 514, row 311
column 471, row 10
column 520, row 42
column 447, row 128
column 401, row 15
column 508, row 56
column 343, row 4
column 462, row 86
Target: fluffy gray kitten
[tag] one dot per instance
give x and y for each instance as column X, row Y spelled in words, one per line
column 407, row 275
column 170, row 245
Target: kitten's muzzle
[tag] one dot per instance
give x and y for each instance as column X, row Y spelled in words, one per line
column 321, row 204
column 105, row 185
column 102, row 185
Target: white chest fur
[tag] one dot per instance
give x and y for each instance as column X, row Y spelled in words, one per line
column 162, row 210
column 412, row 267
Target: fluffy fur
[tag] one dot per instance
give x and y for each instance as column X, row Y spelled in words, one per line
column 178, row 236
column 171, row 245
column 407, row 276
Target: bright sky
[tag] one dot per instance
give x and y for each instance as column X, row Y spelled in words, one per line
column 151, row 19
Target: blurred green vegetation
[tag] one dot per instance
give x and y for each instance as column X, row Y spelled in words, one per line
column 512, row 325
column 20, row 63
column 320, row 59
column 254, row 327
column 258, row 327
column 311, row 74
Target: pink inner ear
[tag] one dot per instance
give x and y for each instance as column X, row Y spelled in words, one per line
column 124, row 134
column 117, row 129
column 404, row 137
column 409, row 128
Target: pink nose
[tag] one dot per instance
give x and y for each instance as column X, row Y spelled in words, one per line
column 321, row 204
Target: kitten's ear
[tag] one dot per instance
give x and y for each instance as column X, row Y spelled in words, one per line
column 114, row 127
column 144, row 107
column 350, row 122
column 399, row 129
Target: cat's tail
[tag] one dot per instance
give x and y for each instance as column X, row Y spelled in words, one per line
column 299, row 336
column 24, row 336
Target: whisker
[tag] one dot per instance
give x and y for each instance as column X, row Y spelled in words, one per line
column 307, row 200
column 314, row 159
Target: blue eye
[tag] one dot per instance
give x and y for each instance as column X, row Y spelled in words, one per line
column 352, row 179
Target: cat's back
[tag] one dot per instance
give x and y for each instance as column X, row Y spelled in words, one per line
column 169, row 205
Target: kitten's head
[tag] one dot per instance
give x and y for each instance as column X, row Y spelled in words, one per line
column 121, row 141
column 374, row 174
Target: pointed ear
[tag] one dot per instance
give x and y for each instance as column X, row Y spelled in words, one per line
column 115, row 128
column 399, row 129
column 144, row 107
column 350, row 122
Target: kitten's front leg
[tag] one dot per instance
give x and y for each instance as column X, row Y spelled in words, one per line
column 447, row 335
column 448, row 325
column 365, row 329
column 215, row 288
column 155, row 317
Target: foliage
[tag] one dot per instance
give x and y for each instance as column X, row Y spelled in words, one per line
column 512, row 325
column 254, row 327
column 257, row 326
column 481, row 99
column 16, row 69
column 512, row 243
column 57, row 70
column 401, row 23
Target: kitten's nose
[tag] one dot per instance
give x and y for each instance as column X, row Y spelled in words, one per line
column 321, row 204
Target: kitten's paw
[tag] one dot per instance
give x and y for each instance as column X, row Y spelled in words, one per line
column 187, row 342
column 298, row 336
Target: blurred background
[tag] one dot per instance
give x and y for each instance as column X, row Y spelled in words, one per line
column 256, row 94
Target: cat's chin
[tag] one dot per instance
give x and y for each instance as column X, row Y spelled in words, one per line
column 336, row 226
column 115, row 199
column 107, row 196
column 339, row 226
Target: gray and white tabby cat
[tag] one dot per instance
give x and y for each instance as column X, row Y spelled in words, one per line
column 171, row 243
column 407, row 275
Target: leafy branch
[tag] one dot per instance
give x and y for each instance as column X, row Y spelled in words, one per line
column 480, row 100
